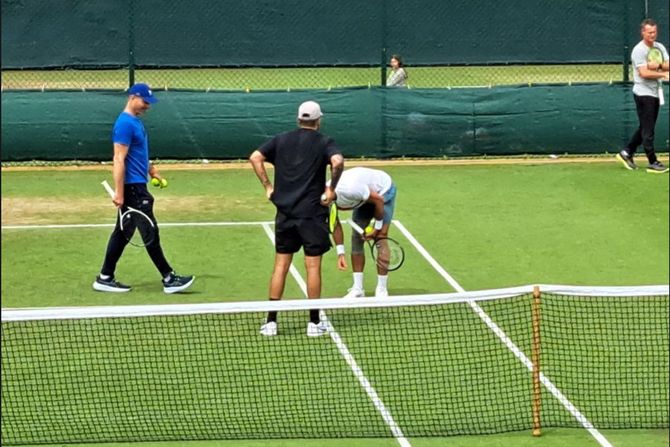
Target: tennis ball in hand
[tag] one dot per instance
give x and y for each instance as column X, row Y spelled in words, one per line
column 163, row 183
column 155, row 182
column 369, row 229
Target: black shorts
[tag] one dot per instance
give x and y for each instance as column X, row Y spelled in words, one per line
column 311, row 233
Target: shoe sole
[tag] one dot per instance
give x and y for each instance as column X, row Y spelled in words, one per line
column 654, row 171
column 362, row 295
column 316, row 334
column 268, row 335
column 624, row 162
column 103, row 288
column 170, row 290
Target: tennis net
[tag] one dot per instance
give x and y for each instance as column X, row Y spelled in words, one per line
column 426, row 365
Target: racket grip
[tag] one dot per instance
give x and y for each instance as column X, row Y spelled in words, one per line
column 109, row 189
column 356, row 228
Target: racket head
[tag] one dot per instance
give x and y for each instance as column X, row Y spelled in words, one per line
column 332, row 217
column 655, row 55
column 138, row 228
column 387, row 253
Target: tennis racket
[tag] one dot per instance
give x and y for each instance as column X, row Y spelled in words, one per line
column 387, row 252
column 136, row 226
column 332, row 214
column 656, row 55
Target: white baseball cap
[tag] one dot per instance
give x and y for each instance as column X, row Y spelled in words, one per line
column 309, row 111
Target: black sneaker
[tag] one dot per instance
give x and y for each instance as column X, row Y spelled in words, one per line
column 109, row 285
column 176, row 283
column 626, row 160
column 657, row 168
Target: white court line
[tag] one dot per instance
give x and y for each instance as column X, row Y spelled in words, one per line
column 111, row 225
column 358, row 372
column 507, row 341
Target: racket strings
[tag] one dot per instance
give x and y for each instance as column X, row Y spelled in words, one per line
column 388, row 254
column 137, row 228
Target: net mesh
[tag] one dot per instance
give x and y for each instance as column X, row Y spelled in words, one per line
column 427, row 366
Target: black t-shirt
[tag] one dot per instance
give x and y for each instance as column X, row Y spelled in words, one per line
column 300, row 158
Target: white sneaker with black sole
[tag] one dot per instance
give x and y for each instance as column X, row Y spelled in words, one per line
column 109, row 285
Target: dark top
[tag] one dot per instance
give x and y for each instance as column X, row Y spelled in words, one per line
column 300, row 158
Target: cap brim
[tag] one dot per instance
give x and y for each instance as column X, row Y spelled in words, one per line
column 150, row 100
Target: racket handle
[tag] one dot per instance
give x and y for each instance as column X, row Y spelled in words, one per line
column 355, row 226
column 109, row 189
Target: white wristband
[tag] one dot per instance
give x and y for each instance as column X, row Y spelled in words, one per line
column 379, row 224
column 339, row 249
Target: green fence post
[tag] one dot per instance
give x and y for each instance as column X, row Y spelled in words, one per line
column 131, row 44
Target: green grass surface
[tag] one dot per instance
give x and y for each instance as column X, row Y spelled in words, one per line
column 300, row 78
column 488, row 226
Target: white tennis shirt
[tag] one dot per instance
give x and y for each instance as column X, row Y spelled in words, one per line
column 355, row 185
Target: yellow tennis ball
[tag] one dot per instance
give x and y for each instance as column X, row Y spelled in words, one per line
column 155, row 182
column 163, row 183
column 369, row 229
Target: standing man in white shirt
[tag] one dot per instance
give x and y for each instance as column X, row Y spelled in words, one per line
column 371, row 194
column 647, row 91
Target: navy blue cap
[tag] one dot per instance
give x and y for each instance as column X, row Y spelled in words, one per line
column 144, row 92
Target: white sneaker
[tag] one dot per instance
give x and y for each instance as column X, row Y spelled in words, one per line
column 355, row 292
column 316, row 330
column 269, row 329
column 381, row 293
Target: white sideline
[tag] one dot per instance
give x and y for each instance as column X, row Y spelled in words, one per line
column 344, row 351
column 507, row 341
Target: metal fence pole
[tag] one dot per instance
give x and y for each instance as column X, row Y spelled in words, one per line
column 383, row 67
column 131, row 43
column 626, row 43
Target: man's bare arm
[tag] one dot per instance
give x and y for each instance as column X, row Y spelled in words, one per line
column 257, row 160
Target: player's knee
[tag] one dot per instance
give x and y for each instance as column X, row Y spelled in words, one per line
column 356, row 244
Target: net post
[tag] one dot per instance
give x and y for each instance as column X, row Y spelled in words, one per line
column 535, row 358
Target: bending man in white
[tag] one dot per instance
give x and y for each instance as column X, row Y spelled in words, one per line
column 370, row 193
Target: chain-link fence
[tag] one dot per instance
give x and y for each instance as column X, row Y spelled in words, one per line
column 205, row 79
column 223, row 45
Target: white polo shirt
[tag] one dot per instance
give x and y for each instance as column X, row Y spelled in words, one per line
column 355, row 185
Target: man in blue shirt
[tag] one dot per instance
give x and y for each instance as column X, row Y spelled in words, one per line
column 130, row 169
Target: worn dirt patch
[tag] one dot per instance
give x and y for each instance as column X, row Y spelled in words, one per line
column 36, row 211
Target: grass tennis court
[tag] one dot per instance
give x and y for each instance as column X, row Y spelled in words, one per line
column 488, row 226
column 310, row 77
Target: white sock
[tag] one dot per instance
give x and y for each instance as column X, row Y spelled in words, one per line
column 104, row 277
column 358, row 280
column 382, row 281
column 167, row 277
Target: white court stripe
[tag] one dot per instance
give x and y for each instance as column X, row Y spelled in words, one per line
column 168, row 224
column 349, row 358
column 506, row 340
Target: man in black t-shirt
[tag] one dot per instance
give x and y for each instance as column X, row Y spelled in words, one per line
column 300, row 158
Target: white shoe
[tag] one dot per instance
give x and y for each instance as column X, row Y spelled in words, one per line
column 316, row 330
column 381, row 293
column 355, row 292
column 269, row 329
